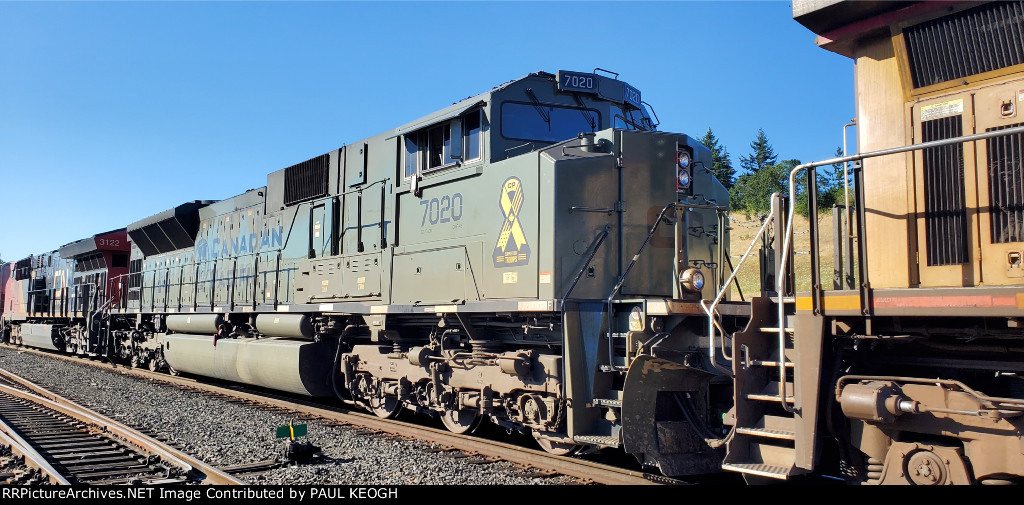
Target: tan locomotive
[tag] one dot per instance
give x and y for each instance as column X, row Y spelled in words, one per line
column 911, row 371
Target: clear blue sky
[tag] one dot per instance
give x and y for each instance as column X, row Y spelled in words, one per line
column 111, row 112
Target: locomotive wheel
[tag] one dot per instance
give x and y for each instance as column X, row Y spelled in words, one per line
column 152, row 365
column 556, row 448
column 461, row 421
column 386, row 407
column 136, row 361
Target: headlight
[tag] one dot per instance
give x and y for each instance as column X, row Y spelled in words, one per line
column 684, row 178
column 684, row 159
column 692, row 280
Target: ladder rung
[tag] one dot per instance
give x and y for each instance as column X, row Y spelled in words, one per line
column 774, row 472
column 767, row 398
column 756, row 362
column 771, row 393
column 597, row 440
column 773, row 329
column 767, row 433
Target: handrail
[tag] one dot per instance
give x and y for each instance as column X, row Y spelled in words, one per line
column 636, row 257
column 710, row 311
column 594, row 246
column 119, row 280
column 92, row 316
column 788, row 238
column 622, row 278
column 111, row 296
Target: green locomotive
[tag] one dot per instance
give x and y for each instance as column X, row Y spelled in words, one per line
column 533, row 256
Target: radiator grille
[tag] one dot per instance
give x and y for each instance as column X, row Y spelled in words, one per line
column 945, row 216
column 307, row 180
column 1006, row 186
column 23, row 269
column 971, row 42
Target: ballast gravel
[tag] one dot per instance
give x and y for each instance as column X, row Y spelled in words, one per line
column 223, row 433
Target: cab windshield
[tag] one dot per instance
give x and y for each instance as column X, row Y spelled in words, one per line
column 546, row 123
column 628, row 118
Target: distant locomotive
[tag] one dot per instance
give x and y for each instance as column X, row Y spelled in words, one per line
column 71, row 286
column 530, row 256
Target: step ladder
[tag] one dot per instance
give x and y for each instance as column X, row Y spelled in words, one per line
column 766, row 410
column 614, row 357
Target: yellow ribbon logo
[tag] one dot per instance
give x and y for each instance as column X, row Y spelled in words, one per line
column 511, row 249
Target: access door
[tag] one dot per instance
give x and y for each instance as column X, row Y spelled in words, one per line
column 1001, row 183
column 945, row 193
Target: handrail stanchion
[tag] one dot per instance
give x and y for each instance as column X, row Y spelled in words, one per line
column 788, row 237
column 710, row 311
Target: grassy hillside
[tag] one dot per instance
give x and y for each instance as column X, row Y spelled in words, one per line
column 743, row 230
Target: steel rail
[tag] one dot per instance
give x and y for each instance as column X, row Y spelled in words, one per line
column 67, row 407
column 32, row 458
column 581, row 469
column 587, row 470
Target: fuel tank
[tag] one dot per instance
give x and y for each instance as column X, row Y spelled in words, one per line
column 294, row 366
column 42, row 336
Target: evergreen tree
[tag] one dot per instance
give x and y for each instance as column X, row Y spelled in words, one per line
column 721, row 166
column 830, row 187
column 830, row 184
column 752, row 192
column 762, row 154
column 835, row 176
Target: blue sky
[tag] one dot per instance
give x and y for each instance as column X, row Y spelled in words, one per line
column 111, row 112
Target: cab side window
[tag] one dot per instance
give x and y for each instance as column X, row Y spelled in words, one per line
column 443, row 145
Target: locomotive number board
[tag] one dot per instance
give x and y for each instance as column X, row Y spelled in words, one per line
column 604, row 87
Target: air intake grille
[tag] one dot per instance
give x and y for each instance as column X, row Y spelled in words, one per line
column 89, row 263
column 1006, row 186
column 971, row 42
column 945, row 216
column 307, row 180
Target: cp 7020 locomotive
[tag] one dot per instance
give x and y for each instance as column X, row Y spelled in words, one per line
column 533, row 256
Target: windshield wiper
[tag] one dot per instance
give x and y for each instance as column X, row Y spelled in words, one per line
column 587, row 116
column 540, row 108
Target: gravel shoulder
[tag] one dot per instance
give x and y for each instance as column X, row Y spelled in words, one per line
column 224, row 433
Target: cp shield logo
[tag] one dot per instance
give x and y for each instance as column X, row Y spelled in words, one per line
column 511, row 249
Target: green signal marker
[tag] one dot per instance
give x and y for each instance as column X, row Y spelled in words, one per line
column 291, row 431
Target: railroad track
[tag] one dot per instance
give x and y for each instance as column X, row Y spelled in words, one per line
column 10, row 382
column 67, row 444
column 484, row 451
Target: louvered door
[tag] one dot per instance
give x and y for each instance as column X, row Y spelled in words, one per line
column 946, row 193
